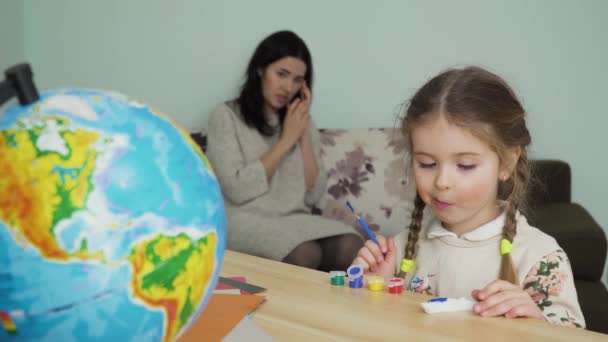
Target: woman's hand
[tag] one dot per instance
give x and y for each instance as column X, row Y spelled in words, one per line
column 307, row 99
column 297, row 119
column 503, row 298
column 295, row 124
column 370, row 257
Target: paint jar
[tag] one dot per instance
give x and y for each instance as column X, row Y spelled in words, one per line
column 375, row 283
column 337, row 277
column 395, row 285
column 355, row 277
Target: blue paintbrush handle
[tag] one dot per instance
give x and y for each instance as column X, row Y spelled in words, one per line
column 363, row 224
column 367, row 230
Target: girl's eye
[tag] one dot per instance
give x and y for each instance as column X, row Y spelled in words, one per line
column 282, row 74
column 426, row 165
column 466, row 167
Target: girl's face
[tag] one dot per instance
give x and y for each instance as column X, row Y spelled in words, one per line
column 456, row 174
column 281, row 81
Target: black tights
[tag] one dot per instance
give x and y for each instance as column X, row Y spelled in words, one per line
column 328, row 254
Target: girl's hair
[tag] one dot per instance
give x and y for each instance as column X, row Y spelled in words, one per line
column 483, row 103
column 251, row 99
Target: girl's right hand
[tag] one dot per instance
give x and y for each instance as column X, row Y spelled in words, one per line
column 372, row 261
column 296, row 121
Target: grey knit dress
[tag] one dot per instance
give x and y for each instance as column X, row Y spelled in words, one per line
column 266, row 217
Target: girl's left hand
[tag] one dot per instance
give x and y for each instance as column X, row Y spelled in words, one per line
column 503, row 298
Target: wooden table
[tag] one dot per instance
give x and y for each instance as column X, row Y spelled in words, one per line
column 302, row 306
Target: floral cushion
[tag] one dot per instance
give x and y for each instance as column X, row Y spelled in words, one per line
column 367, row 167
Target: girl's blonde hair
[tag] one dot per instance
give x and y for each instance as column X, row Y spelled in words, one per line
column 483, row 103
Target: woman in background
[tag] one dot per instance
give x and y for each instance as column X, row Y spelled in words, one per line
column 265, row 151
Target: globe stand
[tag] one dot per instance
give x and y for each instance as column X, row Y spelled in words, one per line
column 19, row 81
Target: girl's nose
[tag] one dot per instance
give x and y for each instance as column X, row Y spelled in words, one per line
column 442, row 180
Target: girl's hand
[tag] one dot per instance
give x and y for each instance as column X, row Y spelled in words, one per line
column 372, row 261
column 503, row 298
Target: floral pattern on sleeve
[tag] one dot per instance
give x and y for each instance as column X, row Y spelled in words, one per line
column 550, row 283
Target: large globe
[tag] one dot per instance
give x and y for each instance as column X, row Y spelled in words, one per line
column 112, row 225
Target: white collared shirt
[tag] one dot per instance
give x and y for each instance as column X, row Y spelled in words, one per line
column 481, row 233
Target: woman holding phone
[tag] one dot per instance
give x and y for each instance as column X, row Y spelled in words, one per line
column 265, row 151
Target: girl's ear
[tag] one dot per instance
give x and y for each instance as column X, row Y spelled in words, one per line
column 509, row 164
column 260, row 72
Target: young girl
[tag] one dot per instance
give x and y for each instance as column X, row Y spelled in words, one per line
column 265, row 150
column 468, row 140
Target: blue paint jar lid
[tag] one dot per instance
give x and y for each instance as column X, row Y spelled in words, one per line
column 354, row 271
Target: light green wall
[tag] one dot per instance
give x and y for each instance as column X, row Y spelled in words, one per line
column 11, row 33
column 187, row 56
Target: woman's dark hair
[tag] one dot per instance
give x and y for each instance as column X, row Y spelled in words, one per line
column 251, row 99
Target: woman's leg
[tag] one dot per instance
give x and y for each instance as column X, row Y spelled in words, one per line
column 339, row 251
column 307, row 254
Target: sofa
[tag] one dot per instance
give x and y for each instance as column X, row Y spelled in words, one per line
column 366, row 166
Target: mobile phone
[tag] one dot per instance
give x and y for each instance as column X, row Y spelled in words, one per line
column 299, row 95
